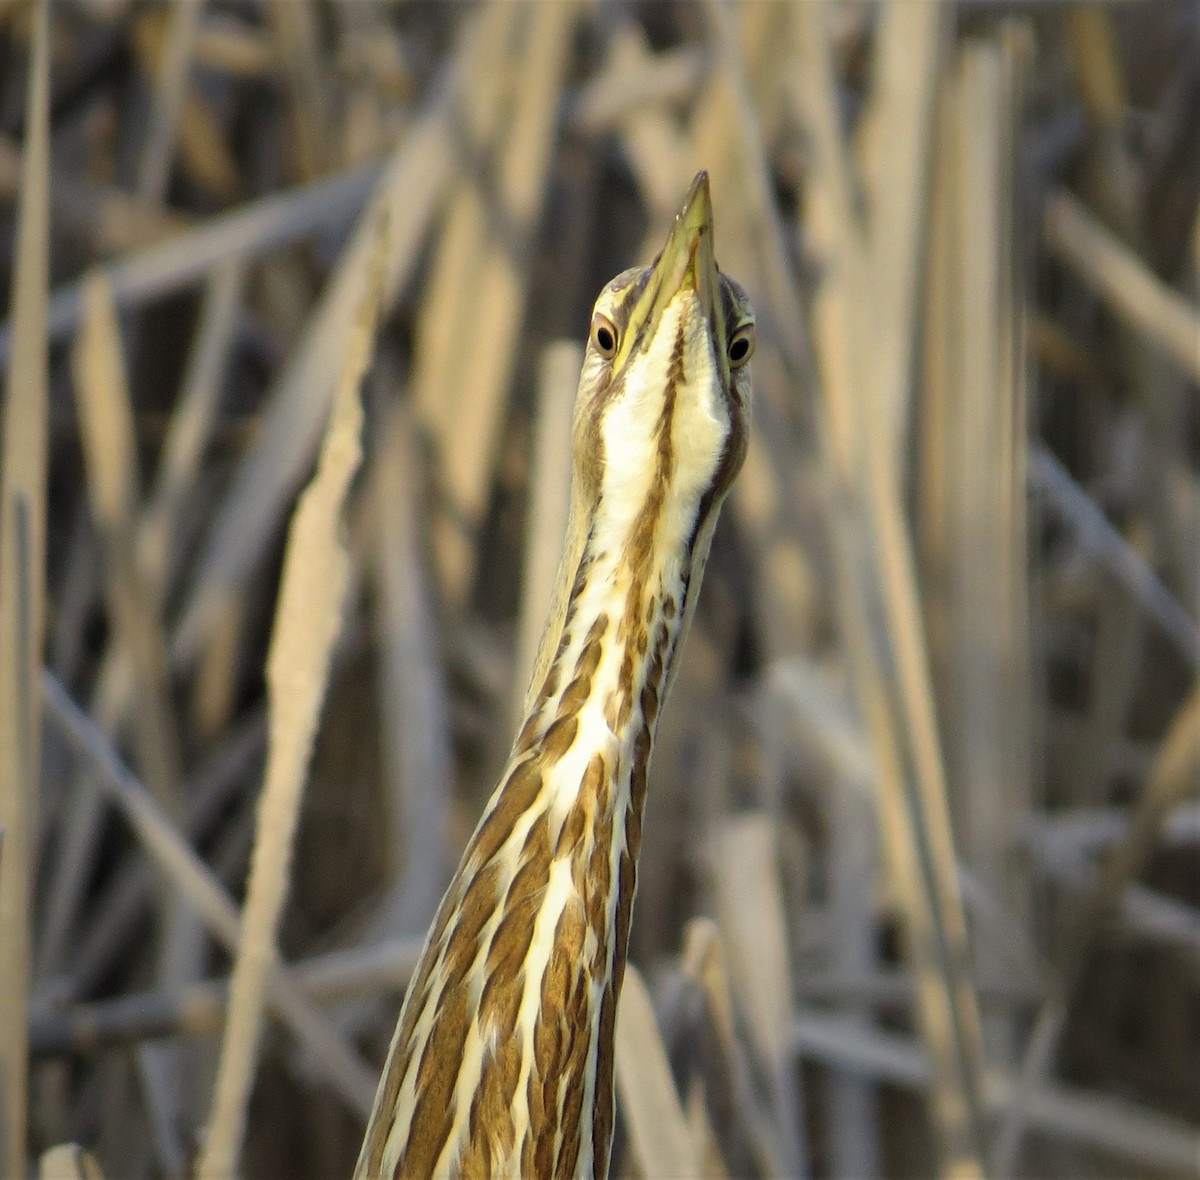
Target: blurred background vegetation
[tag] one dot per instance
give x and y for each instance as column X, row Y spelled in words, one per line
column 919, row 887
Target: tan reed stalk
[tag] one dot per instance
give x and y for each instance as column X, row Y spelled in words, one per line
column 495, row 286
column 884, row 632
column 1147, row 304
column 110, row 445
column 22, row 594
column 166, row 106
column 659, row 1136
column 298, row 402
column 307, row 621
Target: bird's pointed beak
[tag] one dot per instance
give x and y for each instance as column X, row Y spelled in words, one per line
column 687, row 262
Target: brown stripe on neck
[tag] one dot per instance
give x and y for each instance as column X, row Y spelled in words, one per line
column 640, row 553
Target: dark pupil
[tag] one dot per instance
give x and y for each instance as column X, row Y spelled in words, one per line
column 604, row 339
column 739, row 348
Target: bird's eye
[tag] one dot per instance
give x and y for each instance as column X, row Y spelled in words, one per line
column 604, row 335
column 741, row 345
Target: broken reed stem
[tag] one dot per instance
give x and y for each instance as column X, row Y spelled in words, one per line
column 23, row 464
column 308, row 619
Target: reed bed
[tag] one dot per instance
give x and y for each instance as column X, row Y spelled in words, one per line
column 298, row 290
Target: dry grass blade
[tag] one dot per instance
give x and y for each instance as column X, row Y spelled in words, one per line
column 294, row 25
column 659, row 1136
column 22, row 596
column 483, row 104
column 987, row 687
column 191, row 422
column 307, row 622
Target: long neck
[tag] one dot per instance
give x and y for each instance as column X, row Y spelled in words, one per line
column 503, row 1056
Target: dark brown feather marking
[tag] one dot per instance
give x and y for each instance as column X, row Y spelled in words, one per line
column 640, row 550
column 626, row 884
column 527, row 1144
column 649, row 704
column 589, row 802
column 550, row 684
column 554, row 1030
column 475, row 1160
column 595, row 886
column 602, row 1117
column 577, row 1017
column 580, row 686
column 433, row 1114
column 570, row 835
column 517, row 796
column 558, row 739
column 503, row 986
column 491, row 1123
column 528, row 734
column 633, row 816
column 477, row 907
column 500, row 998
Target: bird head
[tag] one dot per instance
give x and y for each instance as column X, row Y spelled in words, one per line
column 661, row 417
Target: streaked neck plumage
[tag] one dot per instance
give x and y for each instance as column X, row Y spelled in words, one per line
column 502, row 1063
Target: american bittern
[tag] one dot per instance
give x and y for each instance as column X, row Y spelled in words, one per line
column 502, row 1059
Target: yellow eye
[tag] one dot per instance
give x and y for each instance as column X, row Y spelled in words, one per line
column 741, row 345
column 604, row 336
